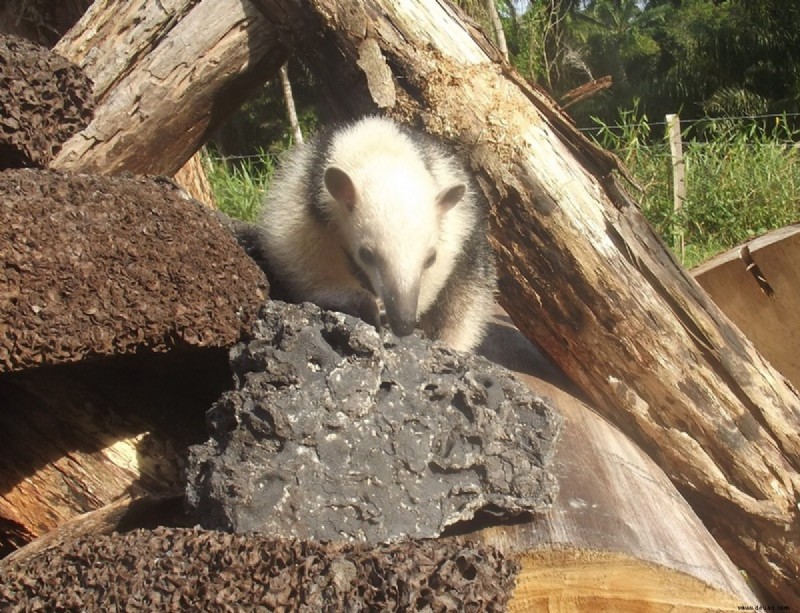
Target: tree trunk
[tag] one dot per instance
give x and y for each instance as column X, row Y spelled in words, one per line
column 166, row 75
column 497, row 27
column 582, row 273
column 291, row 111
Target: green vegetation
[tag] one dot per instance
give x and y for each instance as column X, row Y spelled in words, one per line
column 693, row 57
column 239, row 185
column 741, row 183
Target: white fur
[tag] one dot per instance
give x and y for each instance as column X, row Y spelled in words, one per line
column 395, row 214
column 400, row 213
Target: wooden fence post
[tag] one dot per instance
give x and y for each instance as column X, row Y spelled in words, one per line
column 678, row 181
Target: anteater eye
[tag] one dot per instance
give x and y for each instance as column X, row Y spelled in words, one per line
column 368, row 256
column 430, row 260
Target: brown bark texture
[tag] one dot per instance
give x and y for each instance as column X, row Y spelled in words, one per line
column 166, row 75
column 44, row 98
column 581, row 272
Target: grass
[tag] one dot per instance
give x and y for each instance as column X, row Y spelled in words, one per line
column 742, row 181
column 239, row 186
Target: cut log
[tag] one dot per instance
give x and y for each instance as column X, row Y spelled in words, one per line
column 76, row 437
column 166, row 75
column 757, row 285
column 618, row 536
column 581, row 272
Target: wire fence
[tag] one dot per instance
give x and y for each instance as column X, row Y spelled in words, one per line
column 702, row 120
column 236, row 158
column 687, row 124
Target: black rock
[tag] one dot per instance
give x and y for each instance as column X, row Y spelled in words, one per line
column 335, row 431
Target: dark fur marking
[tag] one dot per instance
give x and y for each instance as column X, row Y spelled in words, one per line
column 357, row 271
column 315, row 171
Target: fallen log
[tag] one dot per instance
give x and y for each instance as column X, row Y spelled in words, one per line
column 581, row 272
column 166, row 75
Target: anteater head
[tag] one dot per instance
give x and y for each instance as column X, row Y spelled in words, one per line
column 390, row 216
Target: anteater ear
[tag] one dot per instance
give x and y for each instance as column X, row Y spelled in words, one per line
column 341, row 186
column 450, row 196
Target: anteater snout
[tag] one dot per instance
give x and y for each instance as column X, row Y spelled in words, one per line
column 402, row 327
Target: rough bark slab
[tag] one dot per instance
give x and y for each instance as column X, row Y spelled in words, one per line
column 583, row 274
column 757, row 285
column 97, row 266
column 166, row 75
column 44, row 99
column 182, row 569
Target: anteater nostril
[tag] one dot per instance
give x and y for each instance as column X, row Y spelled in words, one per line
column 402, row 328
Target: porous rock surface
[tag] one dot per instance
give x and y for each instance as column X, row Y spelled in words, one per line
column 172, row 569
column 44, row 100
column 94, row 266
column 337, row 432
